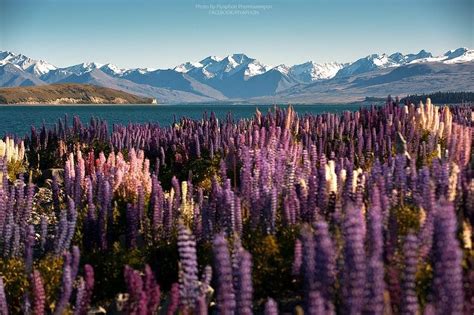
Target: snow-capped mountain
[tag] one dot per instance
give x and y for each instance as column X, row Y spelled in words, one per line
column 219, row 68
column 35, row 67
column 369, row 63
column 185, row 67
column 83, row 68
column 376, row 61
column 404, row 59
column 239, row 76
column 459, row 55
column 112, row 69
column 310, row 71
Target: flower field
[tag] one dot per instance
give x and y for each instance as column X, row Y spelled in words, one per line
column 367, row 212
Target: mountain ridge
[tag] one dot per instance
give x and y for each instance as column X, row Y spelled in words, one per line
column 240, row 77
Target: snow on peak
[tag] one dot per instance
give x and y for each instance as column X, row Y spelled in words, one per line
column 185, row 67
column 311, row 71
column 37, row 67
column 459, row 55
column 210, row 60
column 255, row 68
column 218, row 67
column 112, row 69
column 376, row 61
column 455, row 52
column 284, row 69
column 82, row 68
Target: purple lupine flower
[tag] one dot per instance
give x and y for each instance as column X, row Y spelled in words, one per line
column 316, row 304
column 325, row 261
column 61, row 233
column 142, row 307
column 132, row 226
column 71, row 224
column 375, row 286
column 168, row 217
column 15, row 248
column 427, row 229
column 3, row 299
column 152, row 290
column 3, row 209
column 7, row 235
column 90, row 222
column 429, row 310
column 29, row 243
column 80, row 292
column 238, row 215
column 66, row 289
column 308, row 266
column 297, row 258
column 201, row 306
column 134, row 285
column 189, row 282
column 271, row 307
column 173, row 302
column 223, row 270
column 447, row 269
column 273, row 210
column 39, row 295
column 156, row 204
column 409, row 305
column 106, row 200
column 75, row 260
column 244, row 289
column 354, row 276
column 177, row 190
column 87, row 286
column 229, row 216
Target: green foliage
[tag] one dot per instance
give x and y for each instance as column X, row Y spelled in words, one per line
column 424, row 279
column 408, row 219
column 202, row 169
column 272, row 255
column 16, row 168
column 15, row 281
column 108, row 268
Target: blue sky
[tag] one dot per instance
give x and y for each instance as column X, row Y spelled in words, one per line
column 162, row 34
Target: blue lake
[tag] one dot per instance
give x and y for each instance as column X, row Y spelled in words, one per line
column 19, row 119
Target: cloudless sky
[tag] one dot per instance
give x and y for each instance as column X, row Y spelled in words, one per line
column 162, row 34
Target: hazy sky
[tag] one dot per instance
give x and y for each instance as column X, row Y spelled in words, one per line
column 162, row 34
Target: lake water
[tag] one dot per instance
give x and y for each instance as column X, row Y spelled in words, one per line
column 19, row 119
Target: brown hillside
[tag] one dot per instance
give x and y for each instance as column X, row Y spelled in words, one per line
column 68, row 94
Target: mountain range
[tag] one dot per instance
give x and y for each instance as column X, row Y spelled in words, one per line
column 240, row 78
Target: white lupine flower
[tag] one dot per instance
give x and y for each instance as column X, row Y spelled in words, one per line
column 438, row 151
column 467, row 235
column 331, row 176
column 187, row 208
column 452, row 183
column 355, row 176
column 343, row 176
column 11, row 151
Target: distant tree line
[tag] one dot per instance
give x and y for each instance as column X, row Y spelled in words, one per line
column 440, row 98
